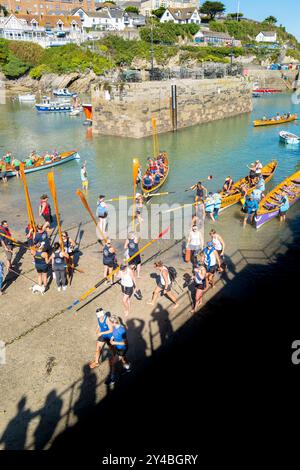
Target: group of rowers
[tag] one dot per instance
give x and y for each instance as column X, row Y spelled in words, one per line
column 155, row 172
column 9, row 162
column 278, row 117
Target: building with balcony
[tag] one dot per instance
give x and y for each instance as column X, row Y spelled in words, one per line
column 46, row 30
column 109, row 19
column 148, row 5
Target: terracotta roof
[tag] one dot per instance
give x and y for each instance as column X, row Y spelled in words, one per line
column 50, row 20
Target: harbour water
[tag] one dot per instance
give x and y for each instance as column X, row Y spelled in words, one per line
column 219, row 149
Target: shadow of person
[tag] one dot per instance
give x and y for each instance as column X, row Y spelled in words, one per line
column 87, row 396
column 15, row 271
column 137, row 344
column 49, row 418
column 14, row 436
column 161, row 317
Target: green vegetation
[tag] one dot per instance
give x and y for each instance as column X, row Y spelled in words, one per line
column 271, row 20
column 122, row 52
column 16, row 58
column 235, row 16
column 159, row 12
column 247, row 31
column 212, row 9
column 4, row 10
column 168, row 33
column 132, row 10
column 209, row 54
column 295, row 53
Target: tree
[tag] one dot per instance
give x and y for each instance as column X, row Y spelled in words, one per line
column 131, row 9
column 159, row 12
column 212, row 9
column 3, row 10
column 271, row 20
column 234, row 16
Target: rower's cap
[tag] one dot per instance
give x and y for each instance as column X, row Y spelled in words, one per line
column 138, row 194
column 210, row 244
column 123, row 267
column 210, row 193
column 256, row 161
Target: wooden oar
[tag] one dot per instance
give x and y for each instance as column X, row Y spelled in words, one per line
column 179, row 207
column 84, row 202
column 210, row 177
column 123, row 198
column 52, row 188
column 90, row 291
column 27, row 198
column 135, row 170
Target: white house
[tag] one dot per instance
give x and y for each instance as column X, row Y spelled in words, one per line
column 109, row 19
column 214, row 38
column 181, row 16
column 266, row 36
column 148, row 5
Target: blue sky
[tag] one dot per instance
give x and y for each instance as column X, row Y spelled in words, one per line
column 287, row 12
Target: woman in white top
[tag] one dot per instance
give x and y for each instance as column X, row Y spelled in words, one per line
column 164, row 285
column 218, row 242
column 194, row 242
column 127, row 285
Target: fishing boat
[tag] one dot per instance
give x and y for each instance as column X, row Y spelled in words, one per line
column 64, row 92
column 236, row 193
column 273, row 121
column 289, row 138
column 27, row 97
column 268, row 207
column 41, row 165
column 52, row 106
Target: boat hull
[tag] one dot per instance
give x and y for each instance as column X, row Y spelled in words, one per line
column 264, row 213
column 261, row 219
column 230, row 200
column 156, row 188
column 68, row 158
column 53, row 109
column 260, row 123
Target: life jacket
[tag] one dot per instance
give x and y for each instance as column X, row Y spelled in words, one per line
column 46, row 210
column 101, row 211
column 6, row 232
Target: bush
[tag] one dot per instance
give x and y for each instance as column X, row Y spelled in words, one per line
column 27, row 52
column 4, row 51
column 38, row 71
column 14, row 68
column 168, row 33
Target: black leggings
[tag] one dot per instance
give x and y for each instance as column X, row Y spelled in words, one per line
column 61, row 277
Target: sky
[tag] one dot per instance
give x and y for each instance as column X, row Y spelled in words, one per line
column 287, row 12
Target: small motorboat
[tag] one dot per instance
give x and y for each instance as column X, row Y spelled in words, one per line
column 52, row 106
column 64, row 92
column 289, row 138
column 27, row 97
column 75, row 112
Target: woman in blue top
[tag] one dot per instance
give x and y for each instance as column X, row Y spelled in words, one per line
column 284, row 206
column 120, row 346
column 104, row 332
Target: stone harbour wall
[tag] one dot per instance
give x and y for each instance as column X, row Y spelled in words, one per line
column 126, row 110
